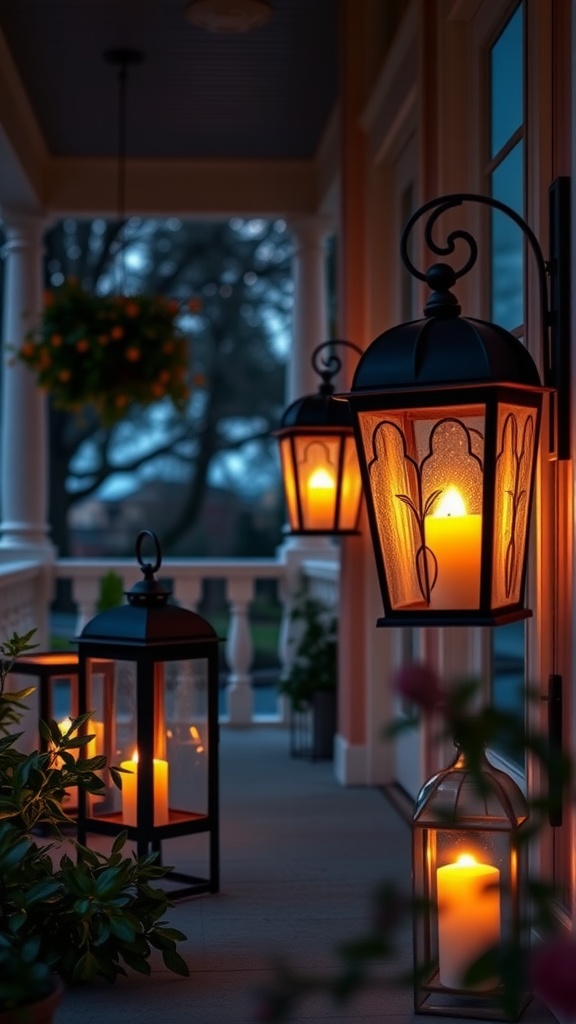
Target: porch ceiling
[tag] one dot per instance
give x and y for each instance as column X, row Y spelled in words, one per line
column 266, row 94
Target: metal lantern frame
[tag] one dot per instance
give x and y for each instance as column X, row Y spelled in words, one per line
column 478, row 902
column 151, row 633
column 321, row 424
column 454, row 388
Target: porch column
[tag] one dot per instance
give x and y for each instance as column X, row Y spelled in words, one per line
column 309, row 329
column 24, row 454
column 310, row 312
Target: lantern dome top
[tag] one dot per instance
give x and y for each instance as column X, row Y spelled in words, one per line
column 318, row 410
column 444, row 349
column 453, row 797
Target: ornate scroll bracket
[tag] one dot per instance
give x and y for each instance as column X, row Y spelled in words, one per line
column 553, row 285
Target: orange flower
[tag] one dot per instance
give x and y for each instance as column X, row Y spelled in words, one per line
column 121, row 401
column 117, row 333
column 168, row 347
column 103, row 339
column 132, row 309
column 199, row 380
column 27, row 349
column 172, row 306
column 133, row 354
column 64, row 376
column 164, row 377
column 56, row 340
column 195, row 304
column 83, row 345
column 48, row 298
column 157, row 390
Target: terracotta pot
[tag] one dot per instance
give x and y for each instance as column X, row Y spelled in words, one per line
column 40, row 1012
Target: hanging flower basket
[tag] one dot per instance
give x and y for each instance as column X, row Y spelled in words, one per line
column 107, row 351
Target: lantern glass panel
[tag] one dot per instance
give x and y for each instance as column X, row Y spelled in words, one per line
column 425, row 468
column 517, row 435
column 180, row 736
column 317, row 465
column 351, row 487
column 289, row 482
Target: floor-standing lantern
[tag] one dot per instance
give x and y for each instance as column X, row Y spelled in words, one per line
column 447, row 414
column 469, row 881
column 160, row 722
column 320, row 469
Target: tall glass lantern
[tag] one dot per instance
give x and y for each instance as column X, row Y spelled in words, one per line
column 469, row 869
column 148, row 672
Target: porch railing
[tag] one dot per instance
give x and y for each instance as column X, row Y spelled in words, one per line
column 27, row 588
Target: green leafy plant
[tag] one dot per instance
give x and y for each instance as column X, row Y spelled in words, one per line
column 111, row 592
column 107, row 351
column 315, row 663
column 66, row 910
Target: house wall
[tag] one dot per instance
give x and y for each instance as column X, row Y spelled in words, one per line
column 431, row 94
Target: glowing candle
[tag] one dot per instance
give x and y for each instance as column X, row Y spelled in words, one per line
column 320, row 500
column 455, row 539
column 468, row 917
column 95, row 746
column 130, row 791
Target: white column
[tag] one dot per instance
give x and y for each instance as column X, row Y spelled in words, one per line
column 239, row 651
column 310, row 312
column 24, row 431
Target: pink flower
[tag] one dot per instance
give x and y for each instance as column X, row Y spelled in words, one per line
column 553, row 974
column 419, row 683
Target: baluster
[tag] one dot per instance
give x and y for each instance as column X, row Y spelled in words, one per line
column 85, row 592
column 187, row 591
column 239, row 652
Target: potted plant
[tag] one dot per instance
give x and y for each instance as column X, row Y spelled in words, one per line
column 66, row 912
column 311, row 681
column 107, row 351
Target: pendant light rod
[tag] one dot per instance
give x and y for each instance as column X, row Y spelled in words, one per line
column 331, row 364
column 122, row 59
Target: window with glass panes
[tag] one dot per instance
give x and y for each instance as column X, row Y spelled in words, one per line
column 505, row 172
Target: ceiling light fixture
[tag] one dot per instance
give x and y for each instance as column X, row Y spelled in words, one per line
column 229, row 16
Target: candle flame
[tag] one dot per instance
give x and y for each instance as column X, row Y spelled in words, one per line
column 466, row 860
column 321, row 478
column 451, row 504
column 135, row 756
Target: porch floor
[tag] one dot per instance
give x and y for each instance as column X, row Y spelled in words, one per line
column 300, row 857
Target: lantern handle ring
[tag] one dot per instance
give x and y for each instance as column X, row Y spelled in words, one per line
column 147, row 567
column 331, row 364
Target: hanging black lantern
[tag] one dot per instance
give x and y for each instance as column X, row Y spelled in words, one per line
column 320, row 469
column 148, row 672
column 447, row 415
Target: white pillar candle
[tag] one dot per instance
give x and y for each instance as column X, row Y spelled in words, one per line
column 455, row 540
column 468, row 917
column 130, row 792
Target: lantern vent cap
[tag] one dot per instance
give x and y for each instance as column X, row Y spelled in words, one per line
column 316, row 411
column 457, row 796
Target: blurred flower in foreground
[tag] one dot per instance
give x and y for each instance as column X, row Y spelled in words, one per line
column 420, row 684
column 553, row 975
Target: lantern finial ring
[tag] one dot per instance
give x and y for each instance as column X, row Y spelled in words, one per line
column 147, row 567
column 331, row 364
